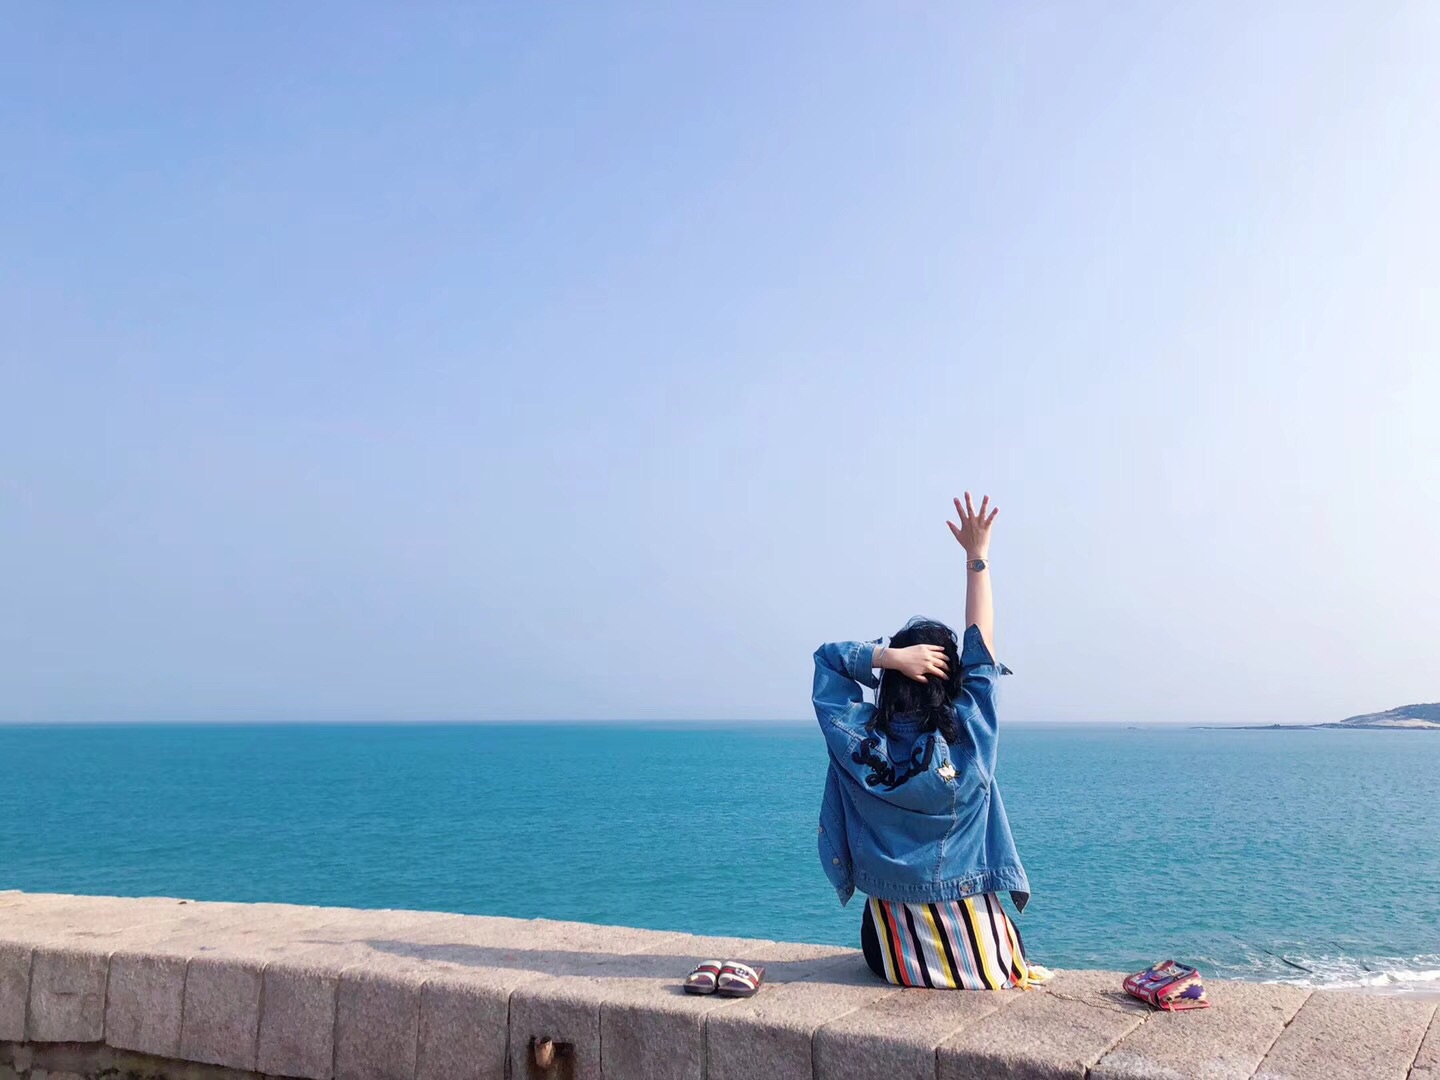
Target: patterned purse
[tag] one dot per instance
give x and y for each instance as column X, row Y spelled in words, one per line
column 1169, row 986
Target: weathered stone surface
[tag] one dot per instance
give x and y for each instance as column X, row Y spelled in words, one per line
column 896, row 1037
column 302, row 978
column 1059, row 1030
column 1227, row 1040
column 221, row 1011
column 652, row 1029
column 548, row 947
column 630, row 1003
column 564, row 998
column 464, row 1022
column 410, row 937
column 94, row 1061
column 67, row 995
column 143, row 1003
column 326, row 993
column 1427, row 1061
column 565, row 1009
column 297, row 1020
column 376, row 927
column 772, row 1034
column 14, row 989
column 303, row 952
column 150, row 937
column 537, row 963
column 209, row 960
column 1347, row 1036
column 528, row 947
column 255, row 935
column 80, row 919
column 84, row 924
column 471, row 970
column 24, row 906
column 674, row 955
column 377, row 1024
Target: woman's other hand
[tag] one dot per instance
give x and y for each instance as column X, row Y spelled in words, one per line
column 973, row 532
column 917, row 661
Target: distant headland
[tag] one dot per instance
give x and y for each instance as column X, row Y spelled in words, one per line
column 1408, row 717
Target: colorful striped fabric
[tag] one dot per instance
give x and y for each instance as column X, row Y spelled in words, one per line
column 965, row 944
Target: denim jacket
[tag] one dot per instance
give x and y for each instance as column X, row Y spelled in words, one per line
column 895, row 822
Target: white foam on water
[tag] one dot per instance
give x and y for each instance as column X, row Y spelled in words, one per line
column 1293, row 964
column 1419, row 974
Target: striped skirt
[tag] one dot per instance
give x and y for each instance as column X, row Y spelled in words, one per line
column 968, row 944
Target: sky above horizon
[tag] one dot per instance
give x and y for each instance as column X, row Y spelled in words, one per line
column 423, row 362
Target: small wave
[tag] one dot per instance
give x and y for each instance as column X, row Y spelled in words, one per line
column 1389, row 974
column 1296, row 963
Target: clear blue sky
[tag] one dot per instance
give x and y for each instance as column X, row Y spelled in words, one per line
column 598, row 361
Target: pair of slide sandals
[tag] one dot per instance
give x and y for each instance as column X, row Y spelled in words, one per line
column 730, row 979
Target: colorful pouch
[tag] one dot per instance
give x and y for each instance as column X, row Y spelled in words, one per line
column 1169, row 986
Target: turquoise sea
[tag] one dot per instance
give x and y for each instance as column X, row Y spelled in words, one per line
column 1310, row 856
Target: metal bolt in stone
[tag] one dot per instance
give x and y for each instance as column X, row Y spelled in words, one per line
column 552, row 1059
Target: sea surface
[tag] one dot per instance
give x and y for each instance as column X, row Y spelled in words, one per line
column 1303, row 856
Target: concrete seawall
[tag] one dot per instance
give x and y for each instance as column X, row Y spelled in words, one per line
column 166, row 989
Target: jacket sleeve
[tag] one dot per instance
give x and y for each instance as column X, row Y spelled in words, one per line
column 841, row 667
column 975, row 707
column 834, row 840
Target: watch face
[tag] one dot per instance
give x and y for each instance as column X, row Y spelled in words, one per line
column 977, row 564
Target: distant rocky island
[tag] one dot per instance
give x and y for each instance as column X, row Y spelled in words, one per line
column 1412, row 717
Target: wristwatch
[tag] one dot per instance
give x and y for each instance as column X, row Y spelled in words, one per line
column 977, row 565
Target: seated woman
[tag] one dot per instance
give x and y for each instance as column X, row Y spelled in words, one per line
column 912, row 815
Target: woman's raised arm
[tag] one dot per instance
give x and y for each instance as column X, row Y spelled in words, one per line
column 973, row 534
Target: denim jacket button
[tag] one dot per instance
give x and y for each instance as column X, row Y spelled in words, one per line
column 834, row 862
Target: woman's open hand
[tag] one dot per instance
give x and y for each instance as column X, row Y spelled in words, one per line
column 973, row 532
column 916, row 661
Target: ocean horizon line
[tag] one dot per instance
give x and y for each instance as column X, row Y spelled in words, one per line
column 688, row 724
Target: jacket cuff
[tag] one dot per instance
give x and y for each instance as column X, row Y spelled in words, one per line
column 862, row 662
column 975, row 653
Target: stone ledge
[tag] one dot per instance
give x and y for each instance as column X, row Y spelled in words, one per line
column 170, row 989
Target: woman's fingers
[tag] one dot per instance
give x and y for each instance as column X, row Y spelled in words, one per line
column 923, row 661
column 983, row 517
column 955, row 530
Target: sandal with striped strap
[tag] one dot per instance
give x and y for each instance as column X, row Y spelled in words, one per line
column 704, row 978
column 739, row 980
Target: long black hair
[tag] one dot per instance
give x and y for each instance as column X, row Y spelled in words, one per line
column 932, row 700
